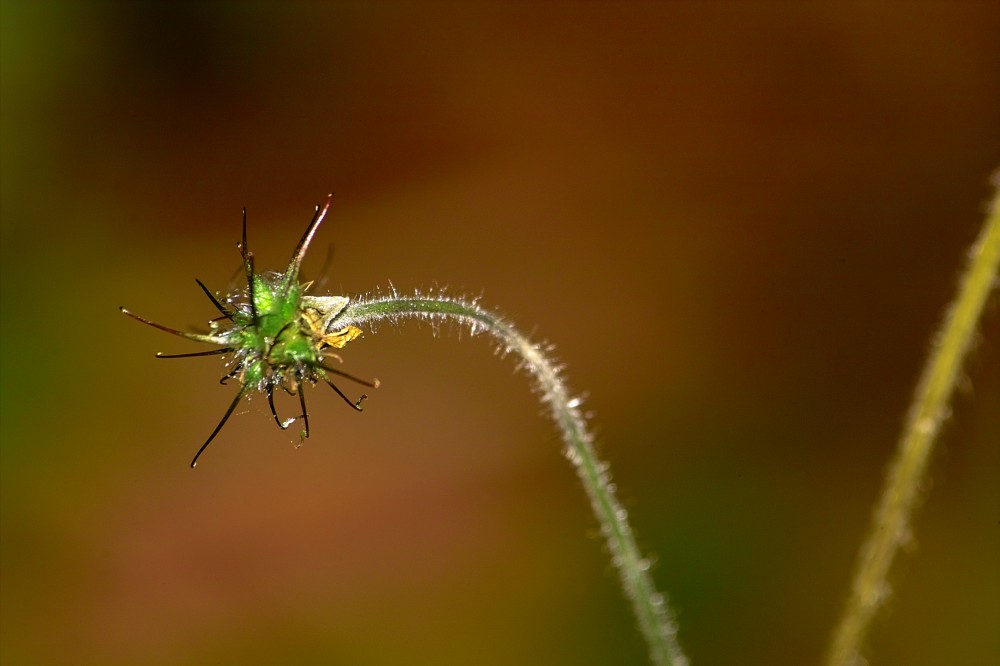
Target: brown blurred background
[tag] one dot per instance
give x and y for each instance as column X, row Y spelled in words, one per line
column 739, row 224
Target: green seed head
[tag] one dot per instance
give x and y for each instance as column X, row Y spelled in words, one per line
column 273, row 335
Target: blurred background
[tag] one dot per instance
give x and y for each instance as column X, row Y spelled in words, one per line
column 738, row 223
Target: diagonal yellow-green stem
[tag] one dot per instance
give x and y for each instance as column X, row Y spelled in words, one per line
column 650, row 607
column 891, row 524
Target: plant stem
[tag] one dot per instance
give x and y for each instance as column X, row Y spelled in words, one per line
column 650, row 607
column 891, row 523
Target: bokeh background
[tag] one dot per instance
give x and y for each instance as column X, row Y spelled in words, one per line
column 738, row 223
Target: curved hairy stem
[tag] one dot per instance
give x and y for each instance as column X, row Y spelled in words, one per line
column 891, row 524
column 650, row 607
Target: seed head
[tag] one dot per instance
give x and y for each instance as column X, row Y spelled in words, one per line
column 274, row 335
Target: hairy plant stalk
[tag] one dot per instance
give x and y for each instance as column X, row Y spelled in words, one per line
column 891, row 523
column 650, row 607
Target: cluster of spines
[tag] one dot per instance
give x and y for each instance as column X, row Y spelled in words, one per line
column 277, row 339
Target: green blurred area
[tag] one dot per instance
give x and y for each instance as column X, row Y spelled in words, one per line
column 739, row 223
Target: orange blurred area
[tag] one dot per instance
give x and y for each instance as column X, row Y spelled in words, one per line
column 739, row 224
